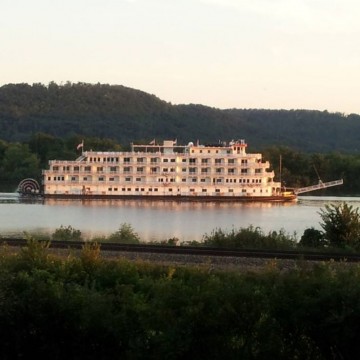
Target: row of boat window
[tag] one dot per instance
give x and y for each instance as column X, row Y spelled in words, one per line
column 171, row 190
column 162, row 180
column 124, row 189
column 140, row 169
column 165, row 160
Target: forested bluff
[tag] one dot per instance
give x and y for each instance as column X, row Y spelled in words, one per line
column 40, row 122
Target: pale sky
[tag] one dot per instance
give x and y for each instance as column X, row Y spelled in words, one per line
column 269, row 54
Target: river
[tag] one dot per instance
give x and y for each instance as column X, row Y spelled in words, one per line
column 160, row 220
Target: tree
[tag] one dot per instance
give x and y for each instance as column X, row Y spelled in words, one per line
column 341, row 224
column 125, row 235
column 19, row 163
column 312, row 238
column 66, row 233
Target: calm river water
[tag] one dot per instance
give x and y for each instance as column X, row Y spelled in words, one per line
column 158, row 220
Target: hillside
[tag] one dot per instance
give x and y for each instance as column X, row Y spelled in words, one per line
column 124, row 114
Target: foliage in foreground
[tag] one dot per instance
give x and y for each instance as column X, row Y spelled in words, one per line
column 250, row 238
column 86, row 307
column 340, row 223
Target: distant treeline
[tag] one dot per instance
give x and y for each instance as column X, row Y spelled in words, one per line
column 123, row 115
column 20, row 160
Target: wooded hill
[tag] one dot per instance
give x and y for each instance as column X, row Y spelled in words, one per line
column 124, row 115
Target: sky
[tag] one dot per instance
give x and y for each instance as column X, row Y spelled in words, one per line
column 261, row 54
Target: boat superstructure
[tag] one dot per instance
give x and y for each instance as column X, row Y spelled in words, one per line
column 193, row 171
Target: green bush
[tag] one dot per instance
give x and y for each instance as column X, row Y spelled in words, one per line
column 341, row 225
column 66, row 233
column 250, row 237
column 89, row 307
column 126, row 235
column 312, row 238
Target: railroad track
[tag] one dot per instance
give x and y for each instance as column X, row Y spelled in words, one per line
column 198, row 251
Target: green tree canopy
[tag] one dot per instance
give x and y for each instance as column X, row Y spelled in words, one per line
column 19, row 163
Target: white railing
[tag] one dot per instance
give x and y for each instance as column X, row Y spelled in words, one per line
column 318, row 186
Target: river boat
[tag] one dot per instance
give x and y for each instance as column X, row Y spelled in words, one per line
column 222, row 171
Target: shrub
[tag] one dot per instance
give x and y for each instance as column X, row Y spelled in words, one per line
column 126, row 235
column 250, row 237
column 341, row 224
column 66, row 233
column 312, row 238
